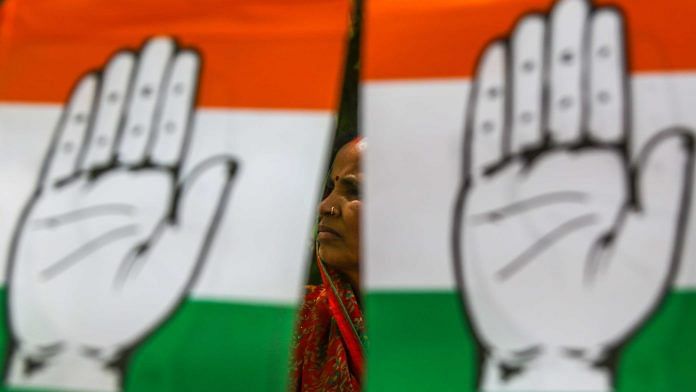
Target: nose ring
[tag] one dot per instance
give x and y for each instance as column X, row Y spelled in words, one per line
column 333, row 211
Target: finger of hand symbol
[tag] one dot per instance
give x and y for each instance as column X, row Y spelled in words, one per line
column 173, row 126
column 527, row 46
column 67, row 147
column 145, row 100
column 486, row 125
column 566, row 59
column 608, row 104
column 109, row 111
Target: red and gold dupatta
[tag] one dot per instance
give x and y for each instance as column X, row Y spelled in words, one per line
column 329, row 339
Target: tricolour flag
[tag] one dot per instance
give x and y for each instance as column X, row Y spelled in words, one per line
column 529, row 195
column 160, row 164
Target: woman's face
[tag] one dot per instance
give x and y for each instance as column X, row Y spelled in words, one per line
column 339, row 237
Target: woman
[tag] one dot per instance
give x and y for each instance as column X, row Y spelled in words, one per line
column 330, row 334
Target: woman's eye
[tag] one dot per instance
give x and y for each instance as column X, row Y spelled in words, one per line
column 353, row 191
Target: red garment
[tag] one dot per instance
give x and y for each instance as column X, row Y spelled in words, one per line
column 323, row 361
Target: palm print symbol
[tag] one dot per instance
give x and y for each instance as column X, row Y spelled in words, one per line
column 565, row 238
column 116, row 231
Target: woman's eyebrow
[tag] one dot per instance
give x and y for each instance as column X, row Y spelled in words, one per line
column 349, row 181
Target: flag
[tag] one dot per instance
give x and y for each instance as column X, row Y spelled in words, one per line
column 529, row 195
column 160, row 163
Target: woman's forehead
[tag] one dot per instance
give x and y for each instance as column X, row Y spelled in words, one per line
column 347, row 161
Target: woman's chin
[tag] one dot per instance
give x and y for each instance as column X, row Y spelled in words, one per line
column 336, row 259
column 325, row 253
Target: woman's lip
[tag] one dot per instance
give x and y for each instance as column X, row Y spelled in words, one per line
column 327, row 235
column 327, row 232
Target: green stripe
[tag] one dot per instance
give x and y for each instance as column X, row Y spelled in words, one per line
column 211, row 347
column 215, row 346
column 420, row 342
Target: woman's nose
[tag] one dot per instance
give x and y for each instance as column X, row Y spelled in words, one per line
column 325, row 207
column 329, row 206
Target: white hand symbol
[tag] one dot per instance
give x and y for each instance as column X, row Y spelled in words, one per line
column 114, row 234
column 565, row 240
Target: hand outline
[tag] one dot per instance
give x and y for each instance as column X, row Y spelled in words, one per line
column 113, row 216
column 549, row 108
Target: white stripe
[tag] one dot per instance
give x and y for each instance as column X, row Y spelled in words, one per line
column 414, row 131
column 261, row 251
